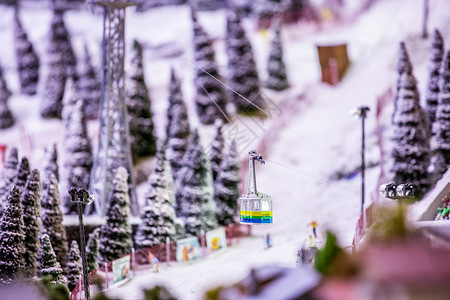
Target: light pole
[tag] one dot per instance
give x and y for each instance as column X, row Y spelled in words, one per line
column 399, row 192
column 81, row 197
column 361, row 112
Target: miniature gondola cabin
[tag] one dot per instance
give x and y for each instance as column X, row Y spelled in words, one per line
column 255, row 207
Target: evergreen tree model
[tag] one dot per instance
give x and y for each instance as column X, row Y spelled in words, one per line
column 178, row 127
column 31, row 206
column 242, row 73
column 403, row 66
column 74, row 267
column 11, row 239
column 115, row 235
column 276, row 68
column 194, row 196
column 266, row 8
column 78, row 155
column 61, row 64
column 440, row 142
column 411, row 146
column 435, row 58
column 226, row 187
column 50, row 165
column 8, row 175
column 89, row 86
column 92, row 250
column 52, row 220
column 142, row 139
column 216, row 151
column 4, row 90
column 26, row 59
column 48, row 264
column 210, row 98
column 6, row 116
column 158, row 215
column 22, row 174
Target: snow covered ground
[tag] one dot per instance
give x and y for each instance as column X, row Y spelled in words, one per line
column 307, row 138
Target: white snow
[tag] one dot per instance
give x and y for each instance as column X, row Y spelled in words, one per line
column 308, row 136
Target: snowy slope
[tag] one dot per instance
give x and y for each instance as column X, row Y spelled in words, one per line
column 308, row 136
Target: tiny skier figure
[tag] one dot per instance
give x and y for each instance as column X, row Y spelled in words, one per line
column 154, row 261
column 268, row 240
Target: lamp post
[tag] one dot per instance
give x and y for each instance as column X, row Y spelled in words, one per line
column 361, row 112
column 81, row 197
column 399, row 192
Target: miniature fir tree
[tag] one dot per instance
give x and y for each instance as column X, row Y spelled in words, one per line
column 11, row 239
column 142, row 139
column 31, row 206
column 22, row 174
column 48, row 264
column 411, row 146
column 26, row 59
column 78, row 155
column 92, row 250
column 50, row 165
column 115, row 235
column 266, row 8
column 178, row 127
column 440, row 143
column 242, row 73
column 194, row 196
column 226, row 187
column 210, row 98
column 52, row 220
column 158, row 215
column 216, row 151
column 434, row 64
column 7, row 177
column 276, row 68
column 89, row 86
column 6, row 117
column 61, row 63
column 74, row 267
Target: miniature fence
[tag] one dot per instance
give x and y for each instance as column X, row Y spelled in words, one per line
column 102, row 278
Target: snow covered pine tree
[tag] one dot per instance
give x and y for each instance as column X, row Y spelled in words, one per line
column 7, row 177
column 77, row 148
column 52, row 217
column 210, row 98
column 50, row 165
column 115, row 235
column 178, row 127
column 275, row 66
column 194, row 196
column 434, row 64
column 411, row 144
column 11, row 239
column 216, row 150
column 26, row 58
column 89, row 86
column 242, row 74
column 440, row 142
column 6, row 117
column 92, row 250
column 142, row 139
column 226, row 187
column 22, row 174
column 48, row 264
column 61, row 64
column 158, row 215
column 31, row 206
column 74, row 267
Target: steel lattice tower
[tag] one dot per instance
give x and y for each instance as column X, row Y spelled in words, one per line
column 113, row 148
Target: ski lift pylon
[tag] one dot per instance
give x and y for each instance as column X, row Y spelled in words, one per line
column 255, row 207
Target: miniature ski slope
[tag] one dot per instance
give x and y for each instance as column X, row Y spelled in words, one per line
column 308, row 136
column 316, row 141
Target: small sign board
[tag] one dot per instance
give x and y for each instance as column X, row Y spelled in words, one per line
column 188, row 249
column 121, row 268
column 216, row 239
